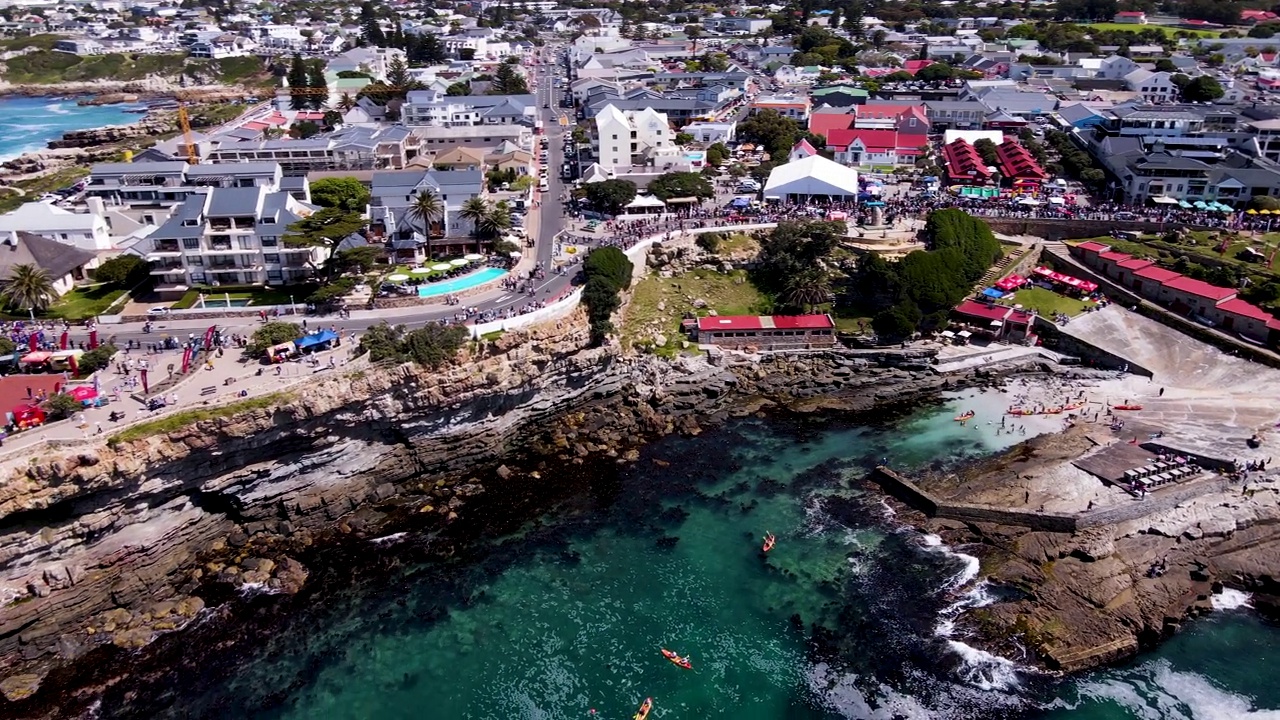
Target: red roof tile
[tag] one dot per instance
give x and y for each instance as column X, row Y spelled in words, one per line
column 1200, row 288
column 1136, row 263
column 1116, row 257
column 824, row 123
column 1239, row 307
column 1158, row 274
column 986, row 312
column 1092, row 246
column 756, row 322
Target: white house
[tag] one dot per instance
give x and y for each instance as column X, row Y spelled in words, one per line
column 87, row 231
column 625, row 139
column 1155, row 87
column 711, row 132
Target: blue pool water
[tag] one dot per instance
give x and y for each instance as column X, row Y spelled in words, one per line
column 26, row 124
column 466, row 282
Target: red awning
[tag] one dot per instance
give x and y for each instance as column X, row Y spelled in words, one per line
column 1074, row 282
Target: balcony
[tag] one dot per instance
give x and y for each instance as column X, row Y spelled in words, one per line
column 165, row 246
column 167, row 269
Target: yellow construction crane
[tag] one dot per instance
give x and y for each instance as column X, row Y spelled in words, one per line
column 185, row 123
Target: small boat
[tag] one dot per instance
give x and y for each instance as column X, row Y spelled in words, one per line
column 964, row 416
column 675, row 658
column 1072, row 406
column 1053, row 411
column 769, row 542
column 1126, row 407
column 645, row 707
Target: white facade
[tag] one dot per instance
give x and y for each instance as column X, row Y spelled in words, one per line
column 1155, row 87
column 87, row 231
column 624, row 139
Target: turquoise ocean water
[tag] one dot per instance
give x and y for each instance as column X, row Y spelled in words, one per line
column 563, row 614
column 27, row 124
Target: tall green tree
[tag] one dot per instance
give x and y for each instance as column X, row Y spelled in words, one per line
column 346, row 193
column 27, row 287
column 474, row 211
column 398, row 74
column 317, row 84
column 371, row 30
column 299, row 98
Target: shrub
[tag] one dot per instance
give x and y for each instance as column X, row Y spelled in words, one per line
column 273, row 333
column 61, row 406
column 97, row 358
column 608, row 273
column 709, row 241
column 429, row 346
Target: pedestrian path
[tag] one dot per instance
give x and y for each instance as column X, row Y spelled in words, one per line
column 220, row 380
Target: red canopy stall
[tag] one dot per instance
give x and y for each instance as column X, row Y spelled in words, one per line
column 1074, row 283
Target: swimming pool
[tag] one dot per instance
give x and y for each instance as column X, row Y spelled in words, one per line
column 466, row 282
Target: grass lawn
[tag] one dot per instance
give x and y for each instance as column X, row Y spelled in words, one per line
column 1048, row 302
column 731, row 294
column 738, row 243
column 180, row 420
column 1167, row 30
column 85, row 302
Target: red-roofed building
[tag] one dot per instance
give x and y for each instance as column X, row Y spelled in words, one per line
column 874, row 147
column 1181, row 294
column 915, row 66
column 1017, row 164
column 964, row 164
column 1187, row 295
column 1253, row 17
column 1130, row 17
column 822, row 123
column 767, row 332
column 999, row 322
column 802, row 150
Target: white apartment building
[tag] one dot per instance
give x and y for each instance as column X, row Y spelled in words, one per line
column 431, row 107
column 229, row 236
column 632, row 138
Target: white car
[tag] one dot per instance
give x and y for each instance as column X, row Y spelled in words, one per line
column 159, row 310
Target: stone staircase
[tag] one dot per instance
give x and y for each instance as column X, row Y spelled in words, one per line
column 995, row 272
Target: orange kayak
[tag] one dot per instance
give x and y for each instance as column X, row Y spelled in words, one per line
column 769, row 542
column 675, row 658
column 1126, row 407
column 645, row 707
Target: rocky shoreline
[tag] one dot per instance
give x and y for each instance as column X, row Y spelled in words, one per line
column 1086, row 599
column 119, row 544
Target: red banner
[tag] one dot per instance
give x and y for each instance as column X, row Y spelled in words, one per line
column 32, row 343
column 62, row 344
column 208, row 337
column 146, row 389
column 93, row 339
column 186, row 359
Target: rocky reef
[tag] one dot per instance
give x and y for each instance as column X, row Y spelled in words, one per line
column 115, row 543
column 1090, row 597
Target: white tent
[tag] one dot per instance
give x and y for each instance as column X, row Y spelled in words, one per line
column 645, row 201
column 811, row 176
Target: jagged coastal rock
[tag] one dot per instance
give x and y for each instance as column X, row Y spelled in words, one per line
column 93, row 539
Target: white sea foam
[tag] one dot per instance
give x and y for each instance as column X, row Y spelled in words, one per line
column 1155, row 691
column 1230, row 599
column 843, row 695
column 966, row 575
column 985, row 670
column 256, row 588
column 57, row 109
column 391, row 539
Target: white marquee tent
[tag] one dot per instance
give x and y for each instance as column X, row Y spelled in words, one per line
column 809, row 177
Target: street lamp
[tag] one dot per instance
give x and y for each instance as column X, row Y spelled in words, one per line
column 292, row 309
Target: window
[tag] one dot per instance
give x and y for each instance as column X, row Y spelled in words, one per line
column 191, row 243
column 195, row 260
column 270, row 240
column 271, row 258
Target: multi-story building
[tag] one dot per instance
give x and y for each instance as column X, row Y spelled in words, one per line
column 148, row 191
column 354, row 148
column 229, row 236
column 430, row 107
column 627, row 139
column 392, row 194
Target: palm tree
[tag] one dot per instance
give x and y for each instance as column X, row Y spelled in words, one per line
column 495, row 221
column 808, row 288
column 346, row 102
column 474, row 211
column 27, row 288
column 427, row 209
